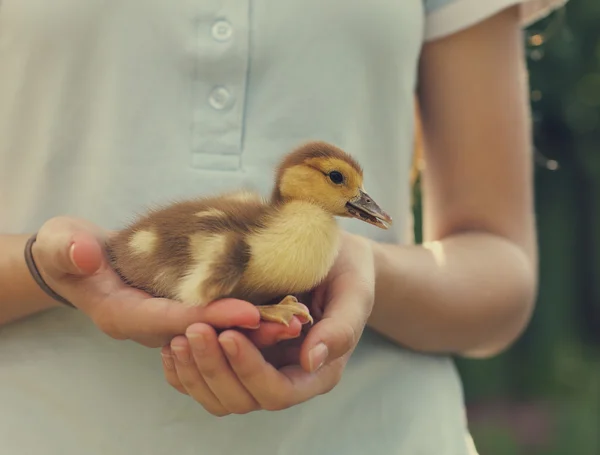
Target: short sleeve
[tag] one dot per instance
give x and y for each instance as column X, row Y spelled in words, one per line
column 444, row 17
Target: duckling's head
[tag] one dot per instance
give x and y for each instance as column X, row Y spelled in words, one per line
column 325, row 175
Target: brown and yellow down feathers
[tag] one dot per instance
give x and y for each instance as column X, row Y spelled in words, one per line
column 235, row 245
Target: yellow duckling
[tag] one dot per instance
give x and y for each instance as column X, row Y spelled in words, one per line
column 239, row 245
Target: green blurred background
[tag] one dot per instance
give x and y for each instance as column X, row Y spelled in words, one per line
column 543, row 395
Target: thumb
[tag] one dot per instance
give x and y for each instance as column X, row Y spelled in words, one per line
column 328, row 340
column 338, row 332
column 67, row 246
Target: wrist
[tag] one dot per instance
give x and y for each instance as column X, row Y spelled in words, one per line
column 37, row 274
column 20, row 296
column 380, row 255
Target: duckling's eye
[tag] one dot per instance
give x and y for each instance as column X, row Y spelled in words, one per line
column 336, row 177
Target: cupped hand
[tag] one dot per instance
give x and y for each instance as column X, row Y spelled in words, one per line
column 233, row 372
column 70, row 255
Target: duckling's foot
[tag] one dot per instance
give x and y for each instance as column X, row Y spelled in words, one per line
column 284, row 311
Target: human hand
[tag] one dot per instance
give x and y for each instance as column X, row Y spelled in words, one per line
column 70, row 256
column 237, row 373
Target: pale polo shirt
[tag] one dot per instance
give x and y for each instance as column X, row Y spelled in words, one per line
column 109, row 106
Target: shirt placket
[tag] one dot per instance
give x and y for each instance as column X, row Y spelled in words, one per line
column 219, row 85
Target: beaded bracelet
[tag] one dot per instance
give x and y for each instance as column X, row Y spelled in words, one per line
column 35, row 273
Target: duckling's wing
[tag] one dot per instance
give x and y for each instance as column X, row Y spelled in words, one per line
column 218, row 264
column 194, row 251
column 219, row 249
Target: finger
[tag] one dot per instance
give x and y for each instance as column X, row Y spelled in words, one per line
column 272, row 389
column 191, row 380
column 341, row 326
column 216, row 372
column 221, row 314
column 160, row 318
column 271, row 333
column 169, row 369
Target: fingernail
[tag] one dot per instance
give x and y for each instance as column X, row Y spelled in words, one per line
column 72, row 257
column 229, row 346
column 197, row 340
column 317, row 356
column 287, row 336
column 250, row 327
column 168, row 361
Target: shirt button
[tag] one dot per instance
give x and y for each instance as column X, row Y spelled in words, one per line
column 222, row 31
column 219, row 98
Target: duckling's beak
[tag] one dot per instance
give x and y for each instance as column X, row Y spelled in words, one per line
column 366, row 209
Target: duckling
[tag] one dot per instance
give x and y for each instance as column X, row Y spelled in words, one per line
column 242, row 246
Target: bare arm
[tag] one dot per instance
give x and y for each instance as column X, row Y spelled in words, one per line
column 471, row 288
column 20, row 296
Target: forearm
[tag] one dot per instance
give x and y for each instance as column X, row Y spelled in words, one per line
column 20, row 296
column 470, row 294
